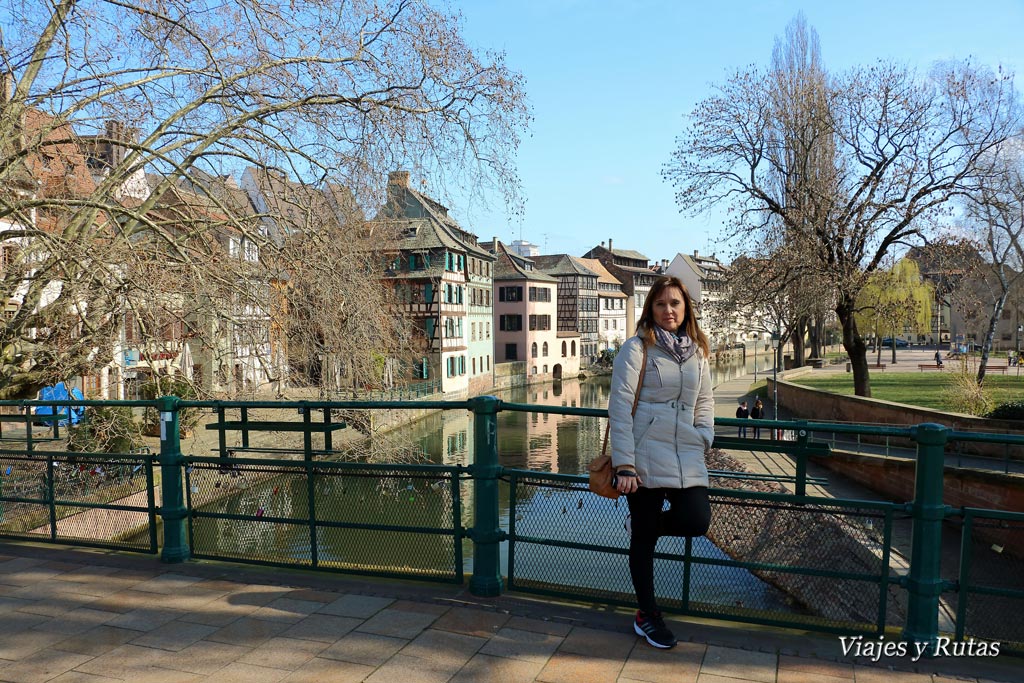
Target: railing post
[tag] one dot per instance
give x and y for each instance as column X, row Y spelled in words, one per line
column 802, row 437
column 172, row 510
column 486, row 533
column 924, row 581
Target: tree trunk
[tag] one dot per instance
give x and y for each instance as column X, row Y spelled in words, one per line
column 997, row 312
column 855, row 348
column 893, row 338
column 797, row 339
column 818, row 337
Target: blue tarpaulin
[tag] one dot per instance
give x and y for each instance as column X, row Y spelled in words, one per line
column 59, row 392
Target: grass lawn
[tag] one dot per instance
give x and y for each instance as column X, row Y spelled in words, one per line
column 925, row 389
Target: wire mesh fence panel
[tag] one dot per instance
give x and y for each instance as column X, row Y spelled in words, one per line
column 332, row 516
column 766, row 559
column 992, row 580
column 24, row 498
column 830, row 558
column 567, row 541
column 86, row 499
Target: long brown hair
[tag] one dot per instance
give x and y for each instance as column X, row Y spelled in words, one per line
column 689, row 325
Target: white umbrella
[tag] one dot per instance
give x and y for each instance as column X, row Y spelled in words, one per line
column 185, row 361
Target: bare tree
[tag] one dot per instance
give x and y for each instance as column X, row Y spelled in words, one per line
column 104, row 95
column 904, row 147
column 997, row 208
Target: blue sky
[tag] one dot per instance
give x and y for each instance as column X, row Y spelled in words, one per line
column 610, row 83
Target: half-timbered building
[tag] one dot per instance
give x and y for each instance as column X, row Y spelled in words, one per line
column 632, row 269
column 442, row 279
column 577, row 300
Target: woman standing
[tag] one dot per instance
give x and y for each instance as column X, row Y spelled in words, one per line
column 658, row 453
column 757, row 413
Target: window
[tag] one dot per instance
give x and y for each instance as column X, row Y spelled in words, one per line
column 488, row 330
column 564, row 349
column 488, row 363
column 533, row 370
column 510, row 294
column 474, row 366
column 540, row 294
column 574, row 348
column 545, row 369
column 510, row 323
column 421, row 370
column 511, row 353
column 544, row 351
column 472, row 332
column 540, row 322
column 533, row 350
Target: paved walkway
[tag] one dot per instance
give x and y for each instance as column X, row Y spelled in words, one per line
column 81, row 616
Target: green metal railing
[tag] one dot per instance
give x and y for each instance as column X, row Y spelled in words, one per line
column 299, row 508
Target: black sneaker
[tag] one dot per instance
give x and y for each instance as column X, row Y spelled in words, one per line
column 652, row 627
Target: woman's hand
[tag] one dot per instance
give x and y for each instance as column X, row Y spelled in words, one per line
column 626, row 480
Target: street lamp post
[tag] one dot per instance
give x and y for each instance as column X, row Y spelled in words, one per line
column 775, row 376
column 756, row 340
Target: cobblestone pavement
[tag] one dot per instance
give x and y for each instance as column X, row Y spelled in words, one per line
column 78, row 616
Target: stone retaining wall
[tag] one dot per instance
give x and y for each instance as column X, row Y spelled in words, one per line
column 823, row 406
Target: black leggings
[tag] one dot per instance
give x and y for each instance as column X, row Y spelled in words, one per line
column 689, row 515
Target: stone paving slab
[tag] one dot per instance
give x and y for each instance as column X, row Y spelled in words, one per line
column 255, row 625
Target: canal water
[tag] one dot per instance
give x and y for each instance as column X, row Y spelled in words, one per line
column 533, row 441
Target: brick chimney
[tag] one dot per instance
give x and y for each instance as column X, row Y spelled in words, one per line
column 609, row 244
column 399, row 178
column 116, row 132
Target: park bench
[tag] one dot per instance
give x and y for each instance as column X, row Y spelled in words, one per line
column 929, row 366
column 876, row 366
column 996, row 368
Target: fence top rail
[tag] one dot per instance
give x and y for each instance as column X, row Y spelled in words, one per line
column 328, row 405
column 581, row 480
column 34, row 403
column 985, row 513
column 41, row 456
column 981, row 437
column 554, row 410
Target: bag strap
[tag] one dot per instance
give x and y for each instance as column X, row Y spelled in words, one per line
column 636, row 399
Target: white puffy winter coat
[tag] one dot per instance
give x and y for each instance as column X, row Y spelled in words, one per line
column 674, row 423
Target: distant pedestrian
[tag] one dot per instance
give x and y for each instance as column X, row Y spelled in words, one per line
column 757, row 413
column 938, row 358
column 743, row 414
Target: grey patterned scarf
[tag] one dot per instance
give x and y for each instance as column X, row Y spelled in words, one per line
column 680, row 348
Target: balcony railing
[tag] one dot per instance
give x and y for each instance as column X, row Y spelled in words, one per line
column 773, row 556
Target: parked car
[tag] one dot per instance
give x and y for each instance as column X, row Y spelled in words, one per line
column 900, row 343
